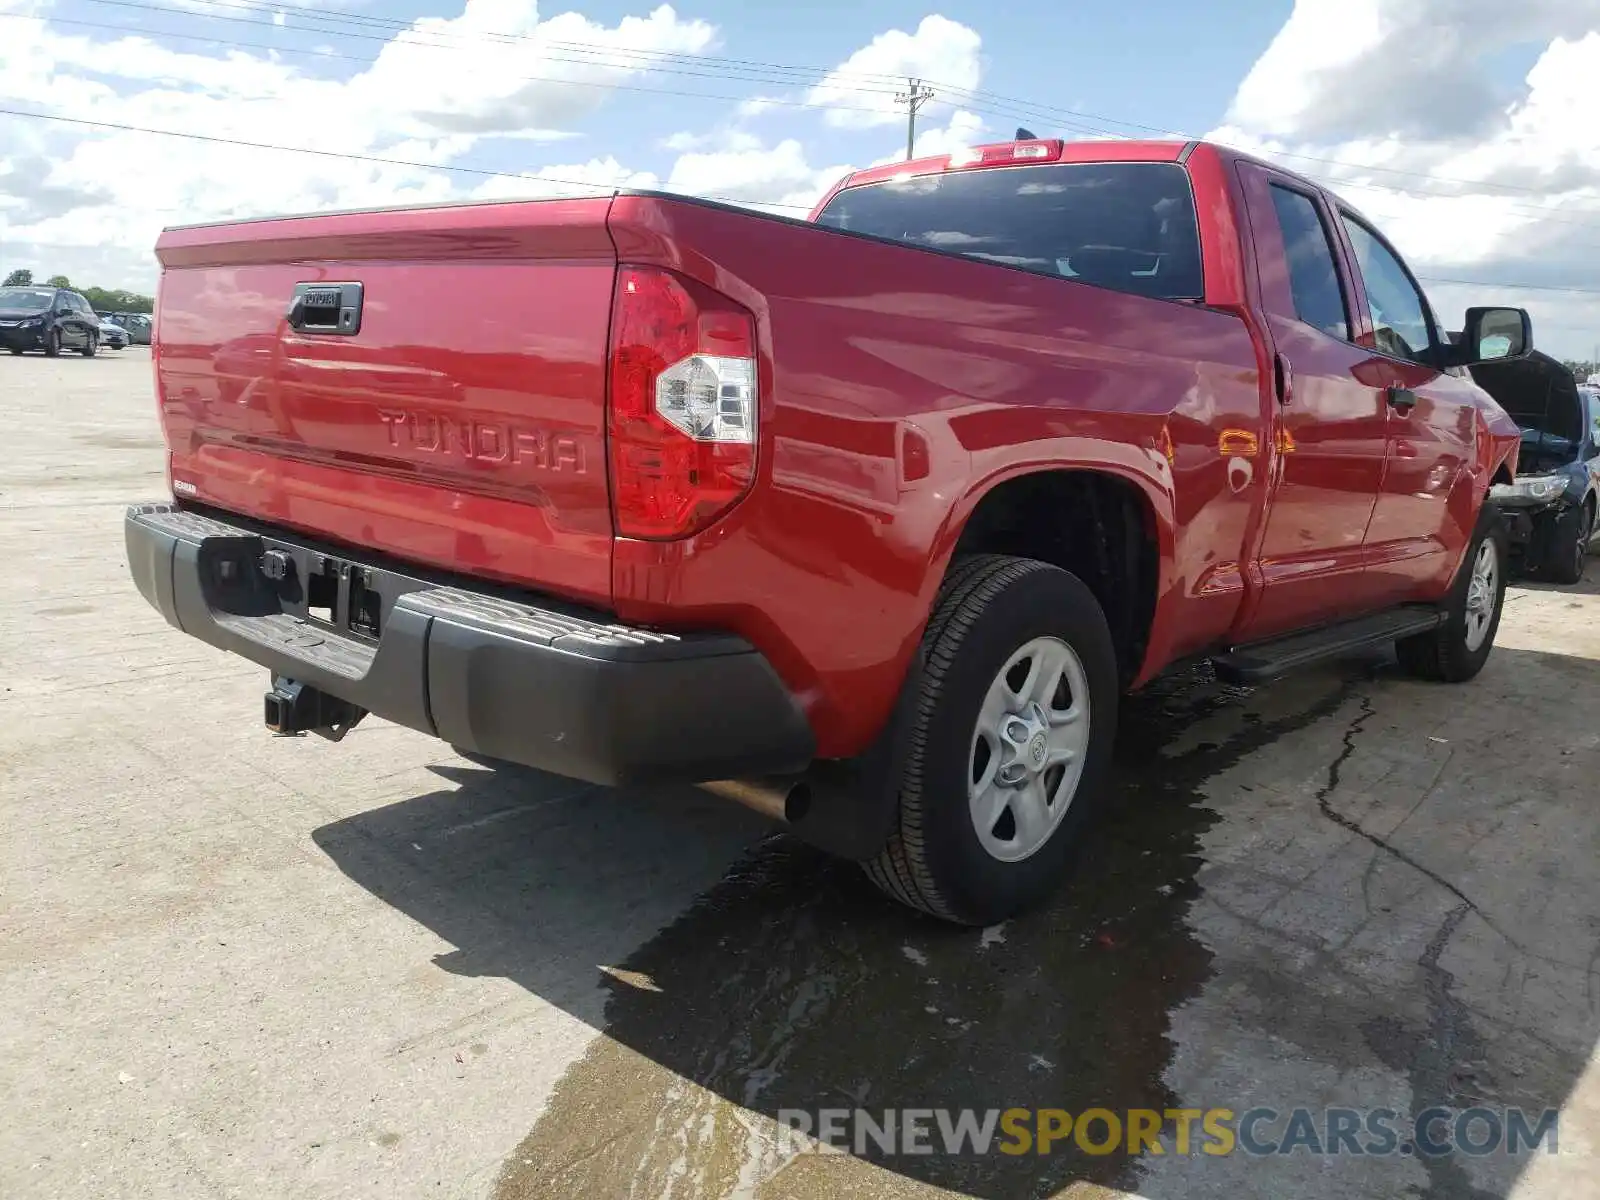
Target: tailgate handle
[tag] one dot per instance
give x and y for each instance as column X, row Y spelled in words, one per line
column 326, row 308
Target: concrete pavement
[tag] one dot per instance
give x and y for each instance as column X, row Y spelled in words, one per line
column 235, row 965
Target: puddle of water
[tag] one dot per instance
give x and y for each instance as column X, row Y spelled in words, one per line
column 792, row 984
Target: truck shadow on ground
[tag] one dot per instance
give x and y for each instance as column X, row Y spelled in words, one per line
column 790, row 984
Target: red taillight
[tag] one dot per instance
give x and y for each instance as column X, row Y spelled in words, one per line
column 682, row 420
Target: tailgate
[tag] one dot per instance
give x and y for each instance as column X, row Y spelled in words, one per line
column 439, row 395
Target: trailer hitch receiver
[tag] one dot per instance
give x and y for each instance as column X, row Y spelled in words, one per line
column 294, row 708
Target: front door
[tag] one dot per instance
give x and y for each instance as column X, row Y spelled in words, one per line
column 1425, row 512
column 1331, row 431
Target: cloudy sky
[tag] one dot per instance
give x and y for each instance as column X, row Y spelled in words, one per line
column 1469, row 135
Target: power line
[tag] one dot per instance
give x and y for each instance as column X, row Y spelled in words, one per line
column 885, row 83
column 334, row 54
column 564, row 81
column 920, row 93
column 485, row 172
column 385, row 32
column 750, row 71
column 367, row 158
column 1513, row 287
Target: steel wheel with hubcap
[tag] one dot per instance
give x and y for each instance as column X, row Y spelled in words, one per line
column 1015, row 715
column 1028, row 749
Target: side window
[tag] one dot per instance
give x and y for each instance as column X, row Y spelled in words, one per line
column 82, row 306
column 1400, row 321
column 1313, row 278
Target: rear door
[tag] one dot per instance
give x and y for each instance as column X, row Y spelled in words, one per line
column 1430, row 415
column 64, row 312
column 1331, row 429
column 88, row 325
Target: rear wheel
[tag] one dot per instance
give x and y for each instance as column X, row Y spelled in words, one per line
column 1011, row 738
column 1569, row 543
column 90, row 347
column 1458, row 648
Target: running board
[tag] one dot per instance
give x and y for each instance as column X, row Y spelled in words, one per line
column 1267, row 660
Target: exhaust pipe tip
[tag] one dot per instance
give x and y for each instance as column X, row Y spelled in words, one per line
column 782, row 800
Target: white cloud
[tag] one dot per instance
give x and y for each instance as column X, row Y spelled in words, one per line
column 593, row 178
column 942, row 51
column 1394, row 104
column 1363, row 68
column 716, row 139
column 509, row 70
column 963, row 129
column 81, row 198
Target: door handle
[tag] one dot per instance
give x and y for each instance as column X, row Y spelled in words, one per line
column 1401, row 399
column 1282, row 378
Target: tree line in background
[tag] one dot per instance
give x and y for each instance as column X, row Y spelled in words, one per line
column 100, row 299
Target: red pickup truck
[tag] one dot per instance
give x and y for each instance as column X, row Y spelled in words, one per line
column 865, row 520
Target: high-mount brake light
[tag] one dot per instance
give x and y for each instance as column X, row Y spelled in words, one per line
column 683, row 420
column 1041, row 150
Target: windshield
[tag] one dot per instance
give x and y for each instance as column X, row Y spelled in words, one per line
column 26, row 299
column 1127, row 226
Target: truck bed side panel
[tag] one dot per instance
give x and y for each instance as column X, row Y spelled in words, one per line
column 899, row 385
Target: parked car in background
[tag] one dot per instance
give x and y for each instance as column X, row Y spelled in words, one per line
column 112, row 335
column 865, row 521
column 138, row 326
column 48, row 319
column 1549, row 507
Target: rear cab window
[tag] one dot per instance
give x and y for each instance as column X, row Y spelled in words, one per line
column 1314, row 284
column 1130, row 227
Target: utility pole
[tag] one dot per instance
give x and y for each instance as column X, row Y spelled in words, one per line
column 913, row 98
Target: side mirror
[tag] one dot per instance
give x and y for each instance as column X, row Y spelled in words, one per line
column 1494, row 335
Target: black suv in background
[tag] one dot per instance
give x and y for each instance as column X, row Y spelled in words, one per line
column 48, row 319
column 1549, row 508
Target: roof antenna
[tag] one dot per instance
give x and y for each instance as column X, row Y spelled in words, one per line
column 1026, row 135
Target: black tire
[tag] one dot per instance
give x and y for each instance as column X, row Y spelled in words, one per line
column 989, row 607
column 52, row 344
column 1569, row 543
column 90, row 349
column 1442, row 654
